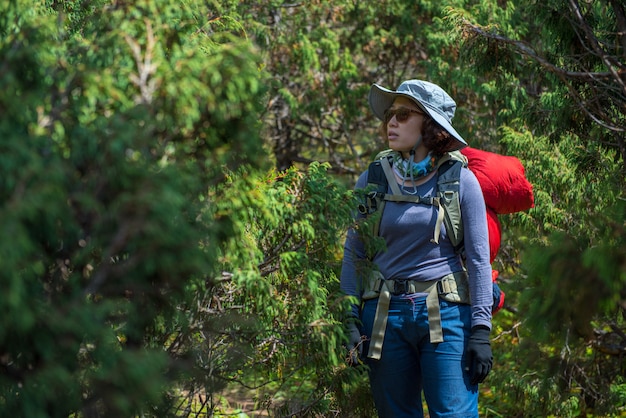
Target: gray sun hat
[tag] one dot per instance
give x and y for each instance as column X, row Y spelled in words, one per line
column 431, row 98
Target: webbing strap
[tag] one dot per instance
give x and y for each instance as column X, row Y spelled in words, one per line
column 440, row 216
column 412, row 199
column 380, row 323
column 382, row 310
column 397, row 196
column 391, row 179
column 434, row 316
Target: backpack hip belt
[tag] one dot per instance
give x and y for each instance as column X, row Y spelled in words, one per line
column 452, row 288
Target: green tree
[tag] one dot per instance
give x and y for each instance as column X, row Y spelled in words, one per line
column 116, row 121
column 541, row 81
column 173, row 194
column 155, row 259
column 558, row 71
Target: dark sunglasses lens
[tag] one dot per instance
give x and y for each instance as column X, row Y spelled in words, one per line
column 401, row 115
column 388, row 115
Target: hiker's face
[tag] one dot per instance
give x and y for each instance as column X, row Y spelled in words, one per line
column 404, row 122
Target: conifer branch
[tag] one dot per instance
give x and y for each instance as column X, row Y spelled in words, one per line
column 144, row 79
column 592, row 78
column 525, row 49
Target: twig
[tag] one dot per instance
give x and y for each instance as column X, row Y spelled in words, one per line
column 145, row 67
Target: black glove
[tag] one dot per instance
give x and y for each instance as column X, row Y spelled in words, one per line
column 355, row 345
column 479, row 357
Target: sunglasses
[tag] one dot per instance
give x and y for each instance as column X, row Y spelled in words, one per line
column 402, row 114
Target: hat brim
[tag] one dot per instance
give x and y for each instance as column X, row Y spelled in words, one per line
column 381, row 99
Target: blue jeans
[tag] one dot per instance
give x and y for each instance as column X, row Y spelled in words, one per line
column 410, row 364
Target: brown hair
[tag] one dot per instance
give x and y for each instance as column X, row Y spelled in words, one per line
column 437, row 139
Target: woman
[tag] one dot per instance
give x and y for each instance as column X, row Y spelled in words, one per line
column 413, row 358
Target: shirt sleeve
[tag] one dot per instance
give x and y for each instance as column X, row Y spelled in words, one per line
column 476, row 240
column 353, row 251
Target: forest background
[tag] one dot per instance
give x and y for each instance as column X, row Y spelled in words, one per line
column 175, row 186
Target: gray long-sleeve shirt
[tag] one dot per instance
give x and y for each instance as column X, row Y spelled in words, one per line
column 408, row 228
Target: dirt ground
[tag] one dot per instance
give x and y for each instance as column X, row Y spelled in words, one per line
column 240, row 401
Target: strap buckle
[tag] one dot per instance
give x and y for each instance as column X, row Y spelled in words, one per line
column 401, row 286
column 370, row 203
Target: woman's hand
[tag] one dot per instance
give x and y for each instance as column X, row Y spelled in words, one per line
column 479, row 357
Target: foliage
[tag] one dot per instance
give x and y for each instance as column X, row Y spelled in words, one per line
column 560, row 97
column 155, row 247
column 574, row 73
column 301, row 259
column 270, row 324
column 113, row 128
column 322, row 72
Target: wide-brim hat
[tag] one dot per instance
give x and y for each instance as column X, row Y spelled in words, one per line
column 429, row 97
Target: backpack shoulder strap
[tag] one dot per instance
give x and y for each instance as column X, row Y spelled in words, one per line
column 380, row 177
column 374, row 198
column 448, row 185
column 391, row 181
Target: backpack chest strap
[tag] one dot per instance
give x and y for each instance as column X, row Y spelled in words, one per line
column 397, row 196
column 426, row 200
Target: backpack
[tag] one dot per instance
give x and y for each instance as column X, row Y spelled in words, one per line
column 380, row 176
